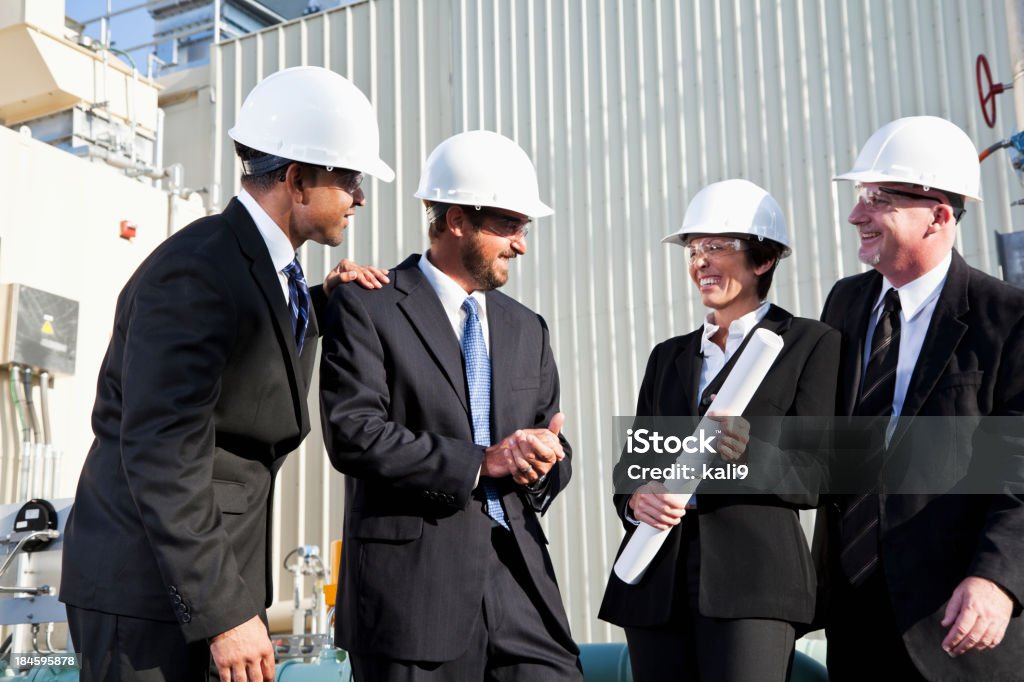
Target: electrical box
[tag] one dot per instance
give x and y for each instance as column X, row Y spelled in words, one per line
column 40, row 329
column 1010, row 246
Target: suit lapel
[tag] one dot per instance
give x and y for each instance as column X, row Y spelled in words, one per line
column 688, row 364
column 262, row 271
column 504, row 342
column 858, row 311
column 944, row 333
column 423, row 309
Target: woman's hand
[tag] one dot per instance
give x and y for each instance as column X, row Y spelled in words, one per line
column 653, row 504
column 734, row 434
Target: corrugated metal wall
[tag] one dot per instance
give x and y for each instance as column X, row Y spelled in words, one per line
column 627, row 107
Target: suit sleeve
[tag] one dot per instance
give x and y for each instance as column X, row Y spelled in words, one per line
column 318, row 298
column 826, row 309
column 540, row 497
column 999, row 556
column 804, row 442
column 362, row 439
column 177, row 342
column 644, row 408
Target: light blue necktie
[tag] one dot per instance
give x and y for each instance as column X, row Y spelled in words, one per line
column 298, row 302
column 478, row 378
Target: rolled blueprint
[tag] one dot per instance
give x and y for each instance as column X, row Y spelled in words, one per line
column 739, row 387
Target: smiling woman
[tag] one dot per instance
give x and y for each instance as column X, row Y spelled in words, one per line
column 733, row 584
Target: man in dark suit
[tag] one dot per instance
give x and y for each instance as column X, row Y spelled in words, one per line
column 923, row 582
column 440, row 405
column 201, row 395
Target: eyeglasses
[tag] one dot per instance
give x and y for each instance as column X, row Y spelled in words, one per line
column 502, row 225
column 348, row 180
column 343, row 178
column 713, row 249
column 878, row 197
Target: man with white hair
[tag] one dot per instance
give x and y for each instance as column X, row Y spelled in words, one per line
column 925, row 583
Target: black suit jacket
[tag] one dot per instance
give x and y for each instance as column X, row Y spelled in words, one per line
column 971, row 365
column 200, row 396
column 396, row 422
column 754, row 559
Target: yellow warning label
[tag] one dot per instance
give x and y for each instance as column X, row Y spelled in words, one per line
column 48, row 325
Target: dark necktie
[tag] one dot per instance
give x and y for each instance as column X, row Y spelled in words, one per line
column 478, row 379
column 298, row 302
column 859, row 535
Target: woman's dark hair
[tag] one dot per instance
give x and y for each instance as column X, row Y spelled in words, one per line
column 759, row 252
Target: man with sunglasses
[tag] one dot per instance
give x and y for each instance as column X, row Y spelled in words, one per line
column 439, row 402
column 167, row 558
column 925, row 583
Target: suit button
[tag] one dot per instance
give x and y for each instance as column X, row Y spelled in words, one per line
column 176, row 598
column 172, row 589
column 186, row 618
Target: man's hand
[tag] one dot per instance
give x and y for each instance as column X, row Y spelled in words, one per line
column 653, row 504
column 735, row 434
column 526, row 454
column 979, row 612
column 539, row 451
column 244, row 653
column 346, row 270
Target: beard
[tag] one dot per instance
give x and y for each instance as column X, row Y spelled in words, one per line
column 872, row 260
column 487, row 274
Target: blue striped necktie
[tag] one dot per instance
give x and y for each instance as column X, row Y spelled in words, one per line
column 478, row 379
column 298, row 302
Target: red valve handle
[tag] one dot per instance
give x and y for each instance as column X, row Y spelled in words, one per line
column 987, row 92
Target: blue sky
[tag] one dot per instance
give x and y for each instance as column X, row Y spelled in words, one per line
column 127, row 30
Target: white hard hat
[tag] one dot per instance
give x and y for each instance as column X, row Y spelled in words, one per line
column 481, row 168
column 920, row 150
column 733, row 207
column 312, row 115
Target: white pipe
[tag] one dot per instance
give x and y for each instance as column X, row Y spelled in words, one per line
column 298, row 616
column 216, row 23
column 30, row 410
column 55, row 456
column 44, row 404
column 26, row 466
column 39, row 471
column 4, row 440
column 134, row 168
column 158, row 159
column 133, row 118
column 1015, row 31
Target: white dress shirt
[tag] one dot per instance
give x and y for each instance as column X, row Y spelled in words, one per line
column 714, row 357
column 281, row 251
column 917, row 305
column 452, row 297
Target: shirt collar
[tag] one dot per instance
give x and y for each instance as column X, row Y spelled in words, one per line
column 281, row 251
column 739, row 328
column 448, row 290
column 914, row 296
